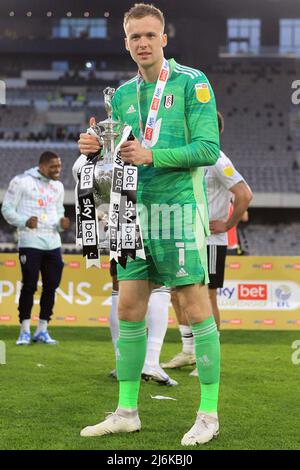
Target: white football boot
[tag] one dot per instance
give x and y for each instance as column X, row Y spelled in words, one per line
column 114, row 423
column 206, row 427
column 181, row 359
column 157, row 374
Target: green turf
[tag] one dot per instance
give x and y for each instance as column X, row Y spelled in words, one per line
column 44, row 407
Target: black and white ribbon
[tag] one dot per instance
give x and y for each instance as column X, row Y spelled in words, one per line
column 124, row 227
column 87, row 234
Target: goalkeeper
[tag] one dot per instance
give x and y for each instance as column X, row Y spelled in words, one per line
column 172, row 111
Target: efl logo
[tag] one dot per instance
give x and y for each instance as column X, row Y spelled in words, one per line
column 155, row 104
column 10, row 263
column 163, row 75
column 74, row 264
column 252, row 292
column 149, row 133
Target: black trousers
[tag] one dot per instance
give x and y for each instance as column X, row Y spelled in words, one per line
column 50, row 264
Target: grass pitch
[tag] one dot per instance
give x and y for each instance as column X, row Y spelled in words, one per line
column 48, row 393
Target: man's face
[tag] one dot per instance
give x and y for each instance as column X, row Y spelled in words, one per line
column 51, row 169
column 145, row 40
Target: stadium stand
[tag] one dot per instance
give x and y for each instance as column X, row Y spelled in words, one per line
column 255, row 100
column 270, row 239
column 254, row 96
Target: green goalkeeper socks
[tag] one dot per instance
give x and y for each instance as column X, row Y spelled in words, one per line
column 131, row 353
column 207, row 349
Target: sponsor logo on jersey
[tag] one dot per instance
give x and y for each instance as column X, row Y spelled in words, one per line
column 169, row 101
column 202, row 92
column 181, row 273
column 131, row 109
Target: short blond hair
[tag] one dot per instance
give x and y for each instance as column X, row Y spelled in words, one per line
column 140, row 10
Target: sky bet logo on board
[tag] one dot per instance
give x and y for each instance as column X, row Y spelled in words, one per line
column 252, row 292
column 226, row 292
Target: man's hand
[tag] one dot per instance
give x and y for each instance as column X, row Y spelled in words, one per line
column 133, row 152
column 218, row 226
column 64, row 223
column 89, row 143
column 32, row 222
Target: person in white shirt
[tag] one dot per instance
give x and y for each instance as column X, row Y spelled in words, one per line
column 34, row 204
column 223, row 183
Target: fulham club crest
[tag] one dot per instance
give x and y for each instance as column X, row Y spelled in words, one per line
column 169, row 101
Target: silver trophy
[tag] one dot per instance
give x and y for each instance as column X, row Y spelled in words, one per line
column 107, row 132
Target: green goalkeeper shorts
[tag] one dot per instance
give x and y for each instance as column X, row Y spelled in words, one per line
column 169, row 263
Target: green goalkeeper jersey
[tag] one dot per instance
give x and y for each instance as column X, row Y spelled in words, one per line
column 188, row 137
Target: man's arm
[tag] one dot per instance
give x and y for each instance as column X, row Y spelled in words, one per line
column 202, row 131
column 10, row 204
column 242, row 198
